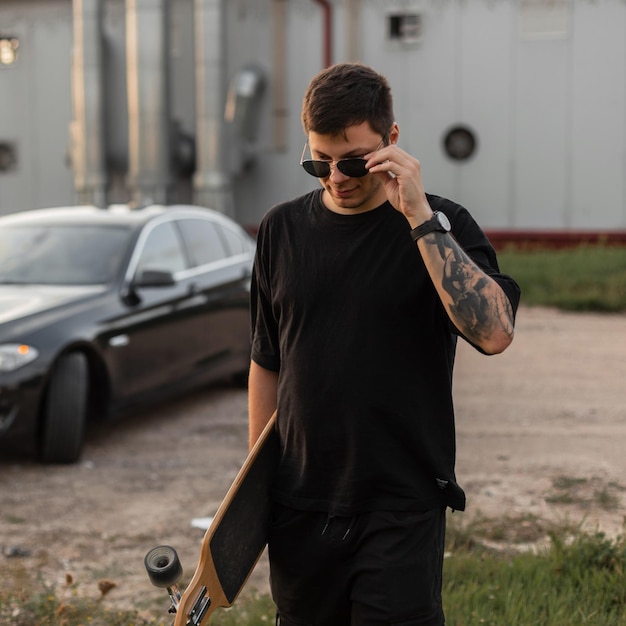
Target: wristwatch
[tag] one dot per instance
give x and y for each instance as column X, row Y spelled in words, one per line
column 437, row 222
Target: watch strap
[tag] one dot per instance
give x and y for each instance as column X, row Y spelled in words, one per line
column 429, row 226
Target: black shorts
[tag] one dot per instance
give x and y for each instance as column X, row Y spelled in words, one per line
column 380, row 568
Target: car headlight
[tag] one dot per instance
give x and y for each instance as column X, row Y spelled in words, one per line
column 15, row 355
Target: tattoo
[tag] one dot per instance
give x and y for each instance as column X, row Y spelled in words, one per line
column 476, row 308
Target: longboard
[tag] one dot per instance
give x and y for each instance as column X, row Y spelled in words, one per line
column 232, row 545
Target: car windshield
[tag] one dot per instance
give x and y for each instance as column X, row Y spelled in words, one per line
column 61, row 254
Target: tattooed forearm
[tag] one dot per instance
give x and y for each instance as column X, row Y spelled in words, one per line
column 476, row 304
column 466, row 292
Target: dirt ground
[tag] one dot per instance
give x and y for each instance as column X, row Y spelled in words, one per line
column 541, row 433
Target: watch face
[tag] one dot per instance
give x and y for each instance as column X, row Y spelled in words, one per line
column 443, row 220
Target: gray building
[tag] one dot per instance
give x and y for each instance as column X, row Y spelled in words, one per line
column 516, row 108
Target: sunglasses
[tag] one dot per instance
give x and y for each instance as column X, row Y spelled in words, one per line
column 353, row 167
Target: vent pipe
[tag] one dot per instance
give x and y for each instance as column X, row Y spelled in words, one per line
column 87, row 126
column 213, row 179
column 147, row 75
column 280, row 112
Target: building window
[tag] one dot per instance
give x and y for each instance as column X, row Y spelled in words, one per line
column 405, row 27
column 8, row 50
column 8, row 156
column 540, row 19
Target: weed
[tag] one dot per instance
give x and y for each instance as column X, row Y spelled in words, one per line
column 606, row 499
column 585, row 492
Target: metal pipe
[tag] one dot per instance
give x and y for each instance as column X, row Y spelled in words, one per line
column 213, row 180
column 353, row 20
column 327, row 32
column 87, row 126
column 147, row 74
column 279, row 90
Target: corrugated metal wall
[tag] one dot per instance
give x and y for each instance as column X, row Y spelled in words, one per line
column 35, row 104
column 542, row 85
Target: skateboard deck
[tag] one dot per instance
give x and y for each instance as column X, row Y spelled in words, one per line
column 234, row 541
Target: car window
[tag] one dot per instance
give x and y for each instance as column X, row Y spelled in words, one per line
column 162, row 250
column 234, row 242
column 204, row 242
column 61, row 254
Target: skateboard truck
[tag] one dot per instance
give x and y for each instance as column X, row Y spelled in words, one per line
column 200, row 607
column 165, row 570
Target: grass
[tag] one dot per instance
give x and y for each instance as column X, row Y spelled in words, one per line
column 577, row 580
column 574, row 582
column 41, row 604
column 586, row 278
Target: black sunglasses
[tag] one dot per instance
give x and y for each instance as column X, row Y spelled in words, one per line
column 354, row 167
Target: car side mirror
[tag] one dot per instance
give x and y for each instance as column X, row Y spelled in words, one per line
column 147, row 278
column 154, row 278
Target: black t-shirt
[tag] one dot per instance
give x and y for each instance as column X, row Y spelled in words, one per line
column 344, row 309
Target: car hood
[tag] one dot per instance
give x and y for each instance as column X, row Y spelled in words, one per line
column 19, row 301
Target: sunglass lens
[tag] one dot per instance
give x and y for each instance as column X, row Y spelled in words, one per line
column 355, row 168
column 319, row 169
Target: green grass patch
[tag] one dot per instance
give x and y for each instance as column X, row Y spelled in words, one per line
column 577, row 580
column 585, row 492
column 40, row 604
column 586, row 278
column 250, row 610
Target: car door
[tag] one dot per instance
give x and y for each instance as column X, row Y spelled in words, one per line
column 149, row 345
column 222, row 278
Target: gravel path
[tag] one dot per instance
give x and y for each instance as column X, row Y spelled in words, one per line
column 541, row 432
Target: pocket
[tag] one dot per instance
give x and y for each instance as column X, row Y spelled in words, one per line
column 283, row 517
column 400, row 519
column 416, row 621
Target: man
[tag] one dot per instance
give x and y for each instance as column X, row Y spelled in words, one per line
column 359, row 291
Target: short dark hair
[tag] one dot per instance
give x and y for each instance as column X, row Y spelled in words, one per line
column 344, row 95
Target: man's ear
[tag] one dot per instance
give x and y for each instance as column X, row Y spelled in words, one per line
column 394, row 133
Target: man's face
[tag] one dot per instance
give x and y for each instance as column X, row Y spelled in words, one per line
column 343, row 194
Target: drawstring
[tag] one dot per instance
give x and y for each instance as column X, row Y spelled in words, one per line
column 331, row 517
column 350, row 525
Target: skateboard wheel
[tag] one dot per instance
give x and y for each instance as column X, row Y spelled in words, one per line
column 163, row 566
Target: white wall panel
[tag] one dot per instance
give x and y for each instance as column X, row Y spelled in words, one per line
column 542, row 133
column 486, row 93
column 598, row 111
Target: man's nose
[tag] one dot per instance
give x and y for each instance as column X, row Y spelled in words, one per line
column 336, row 174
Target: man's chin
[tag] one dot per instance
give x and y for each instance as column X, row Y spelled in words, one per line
column 350, row 206
column 347, row 207
column 354, row 203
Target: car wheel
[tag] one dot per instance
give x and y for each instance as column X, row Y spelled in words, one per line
column 65, row 410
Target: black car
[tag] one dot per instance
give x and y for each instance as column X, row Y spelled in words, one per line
column 104, row 308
